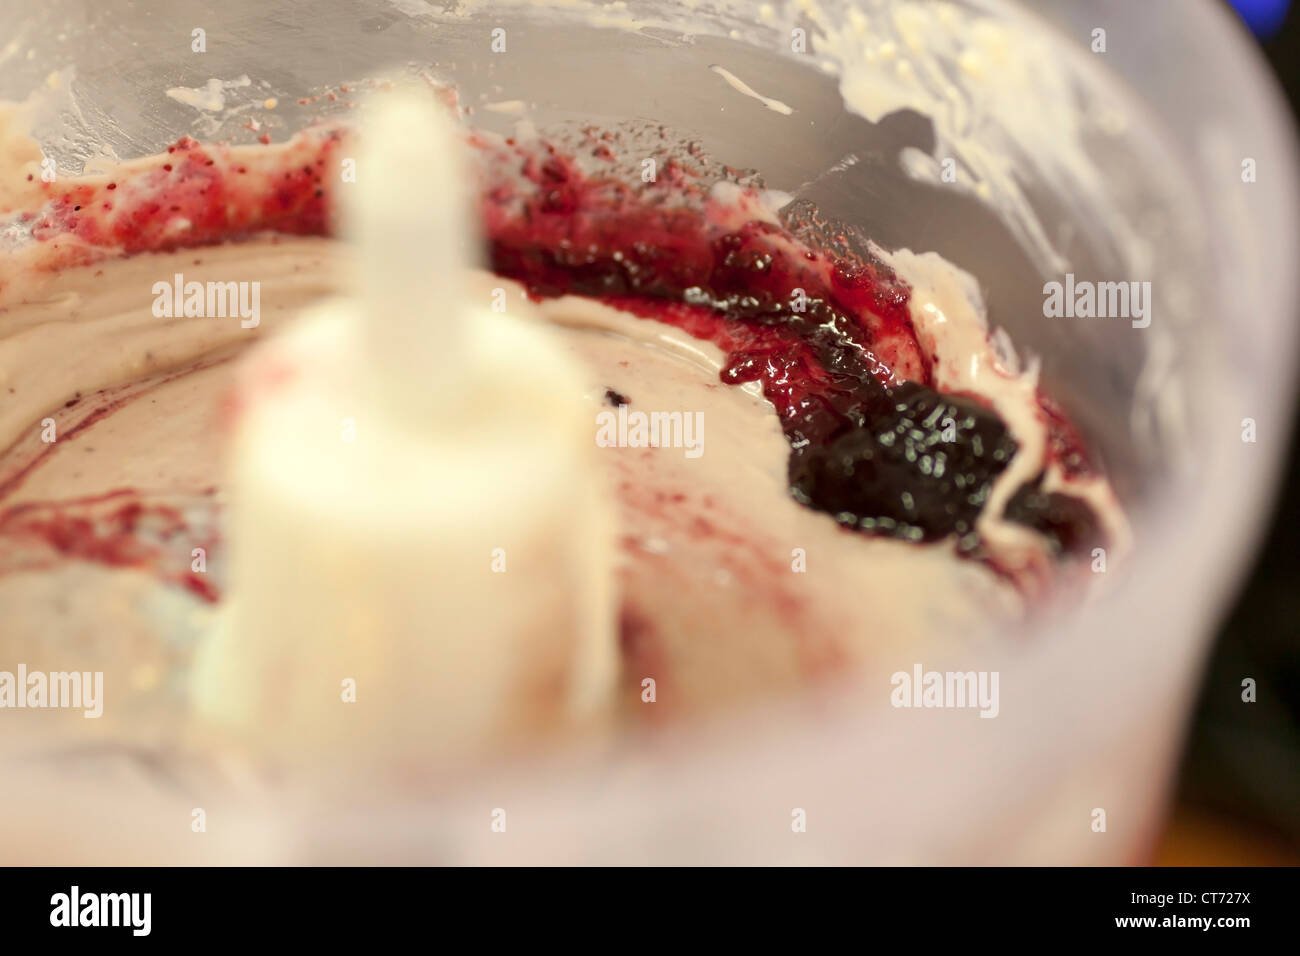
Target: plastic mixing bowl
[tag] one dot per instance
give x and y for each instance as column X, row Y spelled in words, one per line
column 1121, row 163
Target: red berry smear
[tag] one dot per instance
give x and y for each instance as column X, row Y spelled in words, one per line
column 828, row 336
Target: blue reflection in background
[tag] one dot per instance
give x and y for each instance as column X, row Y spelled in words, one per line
column 1262, row 16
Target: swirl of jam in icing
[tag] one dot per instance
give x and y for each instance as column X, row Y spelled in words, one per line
column 827, row 336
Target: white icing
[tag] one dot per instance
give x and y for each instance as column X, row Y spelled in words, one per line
column 211, row 97
column 740, row 86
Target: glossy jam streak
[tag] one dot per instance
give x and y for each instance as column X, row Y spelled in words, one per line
column 829, row 341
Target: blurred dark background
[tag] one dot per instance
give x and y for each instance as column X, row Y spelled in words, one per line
column 1239, row 788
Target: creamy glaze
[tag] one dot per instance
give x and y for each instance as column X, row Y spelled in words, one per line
column 712, row 539
column 716, row 539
